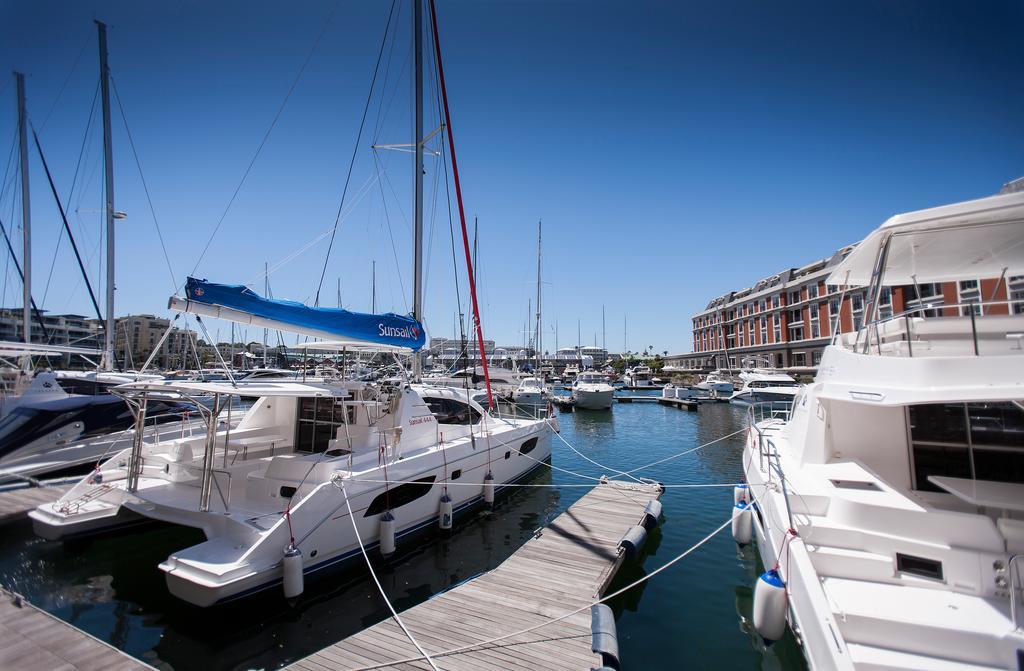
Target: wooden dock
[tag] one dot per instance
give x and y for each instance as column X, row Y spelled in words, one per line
column 565, row 566
column 682, row 404
column 32, row 639
column 637, row 399
column 16, row 504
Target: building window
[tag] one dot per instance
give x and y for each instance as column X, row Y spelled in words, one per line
column 857, row 305
column 794, row 297
column 798, row 359
column 775, row 300
column 970, row 292
column 816, row 357
column 812, row 291
column 815, row 326
column 750, row 330
column 885, row 304
column 777, row 328
column 764, row 330
column 795, row 316
column 1016, row 286
column 925, row 304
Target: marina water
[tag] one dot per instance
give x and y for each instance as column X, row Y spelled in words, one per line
column 694, row 615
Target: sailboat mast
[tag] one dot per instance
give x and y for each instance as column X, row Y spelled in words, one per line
column 539, row 332
column 266, row 291
column 417, row 299
column 26, row 217
column 373, row 287
column 604, row 333
column 108, row 165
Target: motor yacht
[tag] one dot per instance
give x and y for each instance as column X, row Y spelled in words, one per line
column 531, row 392
column 717, row 384
column 765, row 386
column 65, row 421
column 888, row 505
column 639, row 376
column 592, row 392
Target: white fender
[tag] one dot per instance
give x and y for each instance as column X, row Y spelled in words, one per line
column 741, row 492
column 445, row 514
column 489, row 489
column 387, row 533
column 741, row 523
column 292, row 567
column 770, row 606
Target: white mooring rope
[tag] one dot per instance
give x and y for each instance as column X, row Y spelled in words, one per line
column 496, row 639
column 369, row 565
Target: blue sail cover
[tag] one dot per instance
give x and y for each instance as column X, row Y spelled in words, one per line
column 386, row 329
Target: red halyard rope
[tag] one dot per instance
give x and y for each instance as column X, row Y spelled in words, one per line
column 462, row 212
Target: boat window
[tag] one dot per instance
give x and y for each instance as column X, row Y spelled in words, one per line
column 926, row 568
column 528, row 446
column 451, row 411
column 400, row 496
column 984, row 441
column 85, row 387
column 319, row 420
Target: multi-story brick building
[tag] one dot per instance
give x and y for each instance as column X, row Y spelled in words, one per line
column 787, row 320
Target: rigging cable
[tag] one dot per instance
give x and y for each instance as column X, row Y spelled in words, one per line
column 145, row 187
column 266, row 136
column 71, row 192
column 67, row 226
column 355, row 152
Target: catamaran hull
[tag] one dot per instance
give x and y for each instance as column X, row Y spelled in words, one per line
column 206, row 595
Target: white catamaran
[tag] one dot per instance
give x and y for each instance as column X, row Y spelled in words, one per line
column 314, row 470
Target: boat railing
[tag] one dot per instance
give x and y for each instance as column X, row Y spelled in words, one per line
column 973, row 328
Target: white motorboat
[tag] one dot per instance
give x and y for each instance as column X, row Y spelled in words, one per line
column 283, row 472
column 717, row 384
column 66, row 421
column 592, row 392
column 889, row 506
column 531, row 392
column 639, row 376
column 764, row 385
column 569, row 373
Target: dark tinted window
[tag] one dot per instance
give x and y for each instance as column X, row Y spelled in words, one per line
column 993, row 450
column 450, row 411
column 528, row 446
column 400, row 495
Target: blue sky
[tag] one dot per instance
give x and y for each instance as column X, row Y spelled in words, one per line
column 674, row 150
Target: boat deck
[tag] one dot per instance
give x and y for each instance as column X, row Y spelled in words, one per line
column 32, row 639
column 565, row 566
column 16, row 504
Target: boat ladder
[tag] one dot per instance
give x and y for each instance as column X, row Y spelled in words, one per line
column 71, row 506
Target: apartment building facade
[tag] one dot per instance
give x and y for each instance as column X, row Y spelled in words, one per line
column 787, row 320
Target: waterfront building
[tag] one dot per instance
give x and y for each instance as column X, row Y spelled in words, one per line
column 787, row 319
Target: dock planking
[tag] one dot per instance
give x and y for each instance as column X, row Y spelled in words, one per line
column 17, row 503
column 679, row 403
column 566, row 565
column 32, row 639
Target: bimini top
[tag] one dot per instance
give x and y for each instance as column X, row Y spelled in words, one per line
column 241, row 305
column 969, row 240
column 172, row 388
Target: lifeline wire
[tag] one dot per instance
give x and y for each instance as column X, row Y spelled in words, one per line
column 535, row 627
column 383, row 595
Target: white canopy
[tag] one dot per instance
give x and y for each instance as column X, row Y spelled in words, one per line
column 969, row 240
column 39, row 349
column 243, row 388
